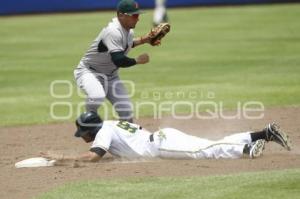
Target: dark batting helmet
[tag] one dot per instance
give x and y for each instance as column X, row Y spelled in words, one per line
column 88, row 122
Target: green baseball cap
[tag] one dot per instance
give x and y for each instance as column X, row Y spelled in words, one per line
column 128, row 7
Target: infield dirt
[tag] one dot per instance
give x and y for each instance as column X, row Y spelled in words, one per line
column 18, row 143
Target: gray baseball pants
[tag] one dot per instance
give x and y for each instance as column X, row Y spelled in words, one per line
column 98, row 86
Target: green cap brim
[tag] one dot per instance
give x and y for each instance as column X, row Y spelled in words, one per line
column 136, row 12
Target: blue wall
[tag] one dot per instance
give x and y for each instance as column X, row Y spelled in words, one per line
column 40, row 6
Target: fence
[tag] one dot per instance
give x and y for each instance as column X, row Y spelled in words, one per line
column 9, row 7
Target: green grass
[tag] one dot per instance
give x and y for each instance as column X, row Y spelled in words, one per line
column 237, row 53
column 261, row 185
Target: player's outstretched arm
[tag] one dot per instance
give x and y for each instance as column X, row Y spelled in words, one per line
column 141, row 40
column 85, row 157
column 144, row 40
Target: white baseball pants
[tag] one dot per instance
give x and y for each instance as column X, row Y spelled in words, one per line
column 172, row 143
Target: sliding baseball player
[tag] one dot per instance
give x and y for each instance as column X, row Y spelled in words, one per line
column 131, row 141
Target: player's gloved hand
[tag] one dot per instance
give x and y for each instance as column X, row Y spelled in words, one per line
column 142, row 59
column 156, row 34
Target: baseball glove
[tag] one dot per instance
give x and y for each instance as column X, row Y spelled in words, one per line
column 157, row 33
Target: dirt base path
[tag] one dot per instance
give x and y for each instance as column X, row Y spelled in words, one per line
column 18, row 143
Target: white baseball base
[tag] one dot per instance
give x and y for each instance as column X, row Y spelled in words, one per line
column 35, row 162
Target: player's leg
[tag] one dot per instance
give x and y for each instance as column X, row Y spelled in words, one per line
column 173, row 143
column 92, row 87
column 255, row 141
column 253, row 145
column 272, row 132
column 160, row 12
column 244, row 137
column 118, row 96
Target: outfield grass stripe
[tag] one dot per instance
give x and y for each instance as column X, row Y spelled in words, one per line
column 259, row 185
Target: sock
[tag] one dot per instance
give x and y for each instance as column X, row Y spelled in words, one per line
column 258, row 135
column 246, row 149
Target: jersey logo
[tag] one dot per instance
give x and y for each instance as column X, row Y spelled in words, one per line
column 161, row 135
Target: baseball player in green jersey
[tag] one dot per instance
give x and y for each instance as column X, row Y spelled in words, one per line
column 97, row 72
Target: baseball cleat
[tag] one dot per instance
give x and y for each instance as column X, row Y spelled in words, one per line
column 273, row 133
column 256, row 148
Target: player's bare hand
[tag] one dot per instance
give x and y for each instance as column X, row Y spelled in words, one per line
column 142, row 59
column 51, row 155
